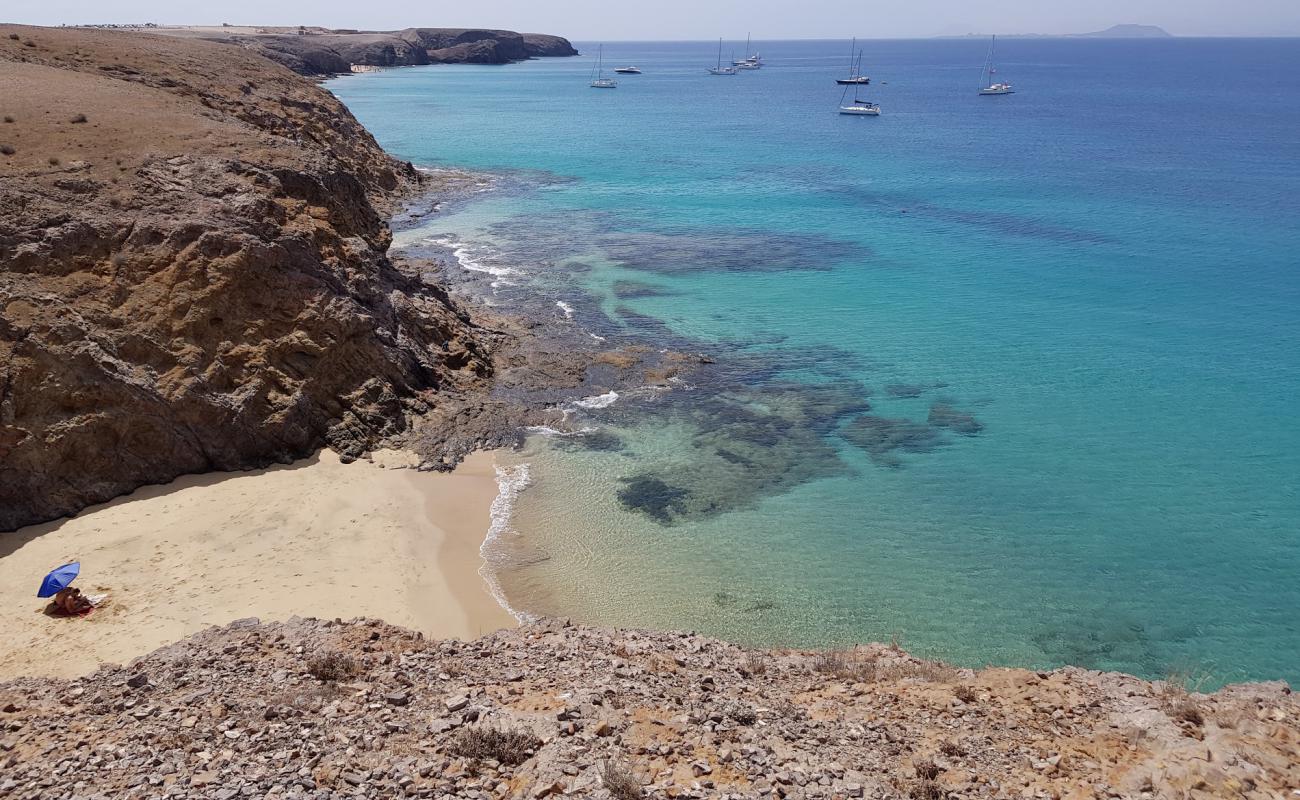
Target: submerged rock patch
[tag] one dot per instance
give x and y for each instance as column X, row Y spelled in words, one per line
column 882, row 438
column 943, row 415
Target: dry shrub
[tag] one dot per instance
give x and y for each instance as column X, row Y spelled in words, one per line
column 964, row 693
column 926, row 790
column 1188, row 711
column 333, row 666
column 8, row 118
column 845, row 664
column 7, row 149
column 620, row 782
column 742, row 714
column 926, row 770
column 78, row 119
column 14, row 36
column 755, row 662
column 54, row 161
column 951, row 749
column 929, row 671
column 510, row 747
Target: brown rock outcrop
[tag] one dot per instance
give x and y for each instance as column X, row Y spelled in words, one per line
column 326, row 52
column 193, row 273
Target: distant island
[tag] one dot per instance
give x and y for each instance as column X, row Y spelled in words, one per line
column 1126, row 32
column 1113, row 32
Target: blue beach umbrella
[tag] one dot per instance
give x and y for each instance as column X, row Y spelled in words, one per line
column 59, row 579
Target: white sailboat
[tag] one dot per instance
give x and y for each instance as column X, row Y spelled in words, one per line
column 858, row 108
column 988, row 85
column 856, row 78
column 752, row 60
column 721, row 70
column 598, row 79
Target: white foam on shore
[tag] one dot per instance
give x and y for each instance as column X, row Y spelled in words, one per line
column 510, row 482
column 549, row 432
column 598, row 401
column 471, row 258
column 566, row 308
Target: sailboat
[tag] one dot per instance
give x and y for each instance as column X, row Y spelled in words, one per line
column 598, row 79
column 721, row 70
column 860, row 108
column 987, row 84
column 856, row 78
column 752, row 60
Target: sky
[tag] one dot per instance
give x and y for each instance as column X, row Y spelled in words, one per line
column 610, row 20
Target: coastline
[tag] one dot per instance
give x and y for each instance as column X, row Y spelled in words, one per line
column 313, row 538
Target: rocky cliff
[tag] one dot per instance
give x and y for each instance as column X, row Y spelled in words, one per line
column 333, row 52
column 193, row 273
column 316, row 709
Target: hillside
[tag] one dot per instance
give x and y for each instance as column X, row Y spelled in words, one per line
column 326, row 709
column 194, row 271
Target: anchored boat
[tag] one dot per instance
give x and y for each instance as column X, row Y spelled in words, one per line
column 988, row 85
column 856, row 78
column 598, row 79
column 719, row 69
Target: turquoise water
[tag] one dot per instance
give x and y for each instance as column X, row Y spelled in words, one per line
column 1013, row 379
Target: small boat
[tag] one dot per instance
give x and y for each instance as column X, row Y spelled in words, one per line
column 856, row 78
column 989, row 86
column 721, row 70
column 859, row 108
column 628, row 70
column 598, row 79
column 752, row 60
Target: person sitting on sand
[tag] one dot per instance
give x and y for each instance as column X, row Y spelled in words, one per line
column 71, row 601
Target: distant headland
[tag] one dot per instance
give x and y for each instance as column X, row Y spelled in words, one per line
column 1113, row 32
column 316, row 51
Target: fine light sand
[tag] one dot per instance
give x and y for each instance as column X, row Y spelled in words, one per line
column 316, row 538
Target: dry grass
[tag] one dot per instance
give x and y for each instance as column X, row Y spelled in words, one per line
column 756, row 662
column 510, row 747
column 620, row 782
column 845, row 664
column 1188, row 711
column 333, row 666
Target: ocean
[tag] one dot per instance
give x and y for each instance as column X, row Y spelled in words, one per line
column 1012, row 380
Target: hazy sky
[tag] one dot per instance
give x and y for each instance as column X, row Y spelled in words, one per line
column 696, row 19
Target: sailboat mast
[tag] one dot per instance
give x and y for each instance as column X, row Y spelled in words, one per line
column 719, row 52
column 853, row 46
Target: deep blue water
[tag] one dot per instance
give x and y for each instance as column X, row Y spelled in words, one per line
column 1013, row 378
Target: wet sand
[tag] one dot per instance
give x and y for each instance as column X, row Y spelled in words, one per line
column 315, row 538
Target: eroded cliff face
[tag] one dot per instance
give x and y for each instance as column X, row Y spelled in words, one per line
column 333, row 52
column 193, row 272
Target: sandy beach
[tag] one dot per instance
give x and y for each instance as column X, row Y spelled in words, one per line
column 315, row 538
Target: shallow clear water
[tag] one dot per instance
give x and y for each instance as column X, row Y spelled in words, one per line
column 1073, row 312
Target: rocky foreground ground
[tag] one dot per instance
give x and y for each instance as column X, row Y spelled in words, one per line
column 324, row 709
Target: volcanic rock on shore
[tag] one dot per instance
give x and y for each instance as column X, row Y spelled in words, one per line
column 319, row 709
column 193, row 271
column 329, row 52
